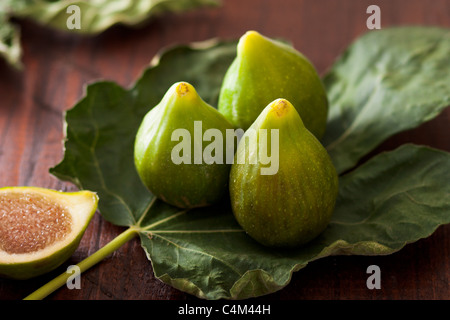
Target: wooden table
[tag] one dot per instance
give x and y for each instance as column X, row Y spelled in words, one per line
column 59, row 65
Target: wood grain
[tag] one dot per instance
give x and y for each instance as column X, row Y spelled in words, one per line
column 58, row 65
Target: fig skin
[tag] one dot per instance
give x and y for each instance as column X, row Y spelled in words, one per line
column 264, row 70
column 294, row 205
column 182, row 185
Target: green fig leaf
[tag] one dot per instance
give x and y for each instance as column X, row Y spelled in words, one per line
column 99, row 15
column 95, row 16
column 393, row 199
column 386, row 82
column 10, row 48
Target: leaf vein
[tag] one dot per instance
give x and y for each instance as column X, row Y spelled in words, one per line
column 199, row 252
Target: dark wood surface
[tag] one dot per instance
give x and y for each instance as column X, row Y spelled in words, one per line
column 58, row 65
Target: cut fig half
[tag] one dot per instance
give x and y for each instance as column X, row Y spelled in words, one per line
column 41, row 228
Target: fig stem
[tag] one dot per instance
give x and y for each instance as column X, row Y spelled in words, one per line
column 84, row 265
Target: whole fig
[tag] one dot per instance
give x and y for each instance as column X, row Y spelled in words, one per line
column 264, row 70
column 293, row 202
column 172, row 154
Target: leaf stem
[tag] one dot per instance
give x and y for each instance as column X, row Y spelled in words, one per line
column 84, row 265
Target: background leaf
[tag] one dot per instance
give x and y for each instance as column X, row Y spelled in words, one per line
column 393, row 199
column 96, row 16
column 10, row 48
column 386, row 82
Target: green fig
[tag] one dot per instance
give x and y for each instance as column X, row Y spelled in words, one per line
column 293, row 202
column 264, row 70
column 172, row 154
